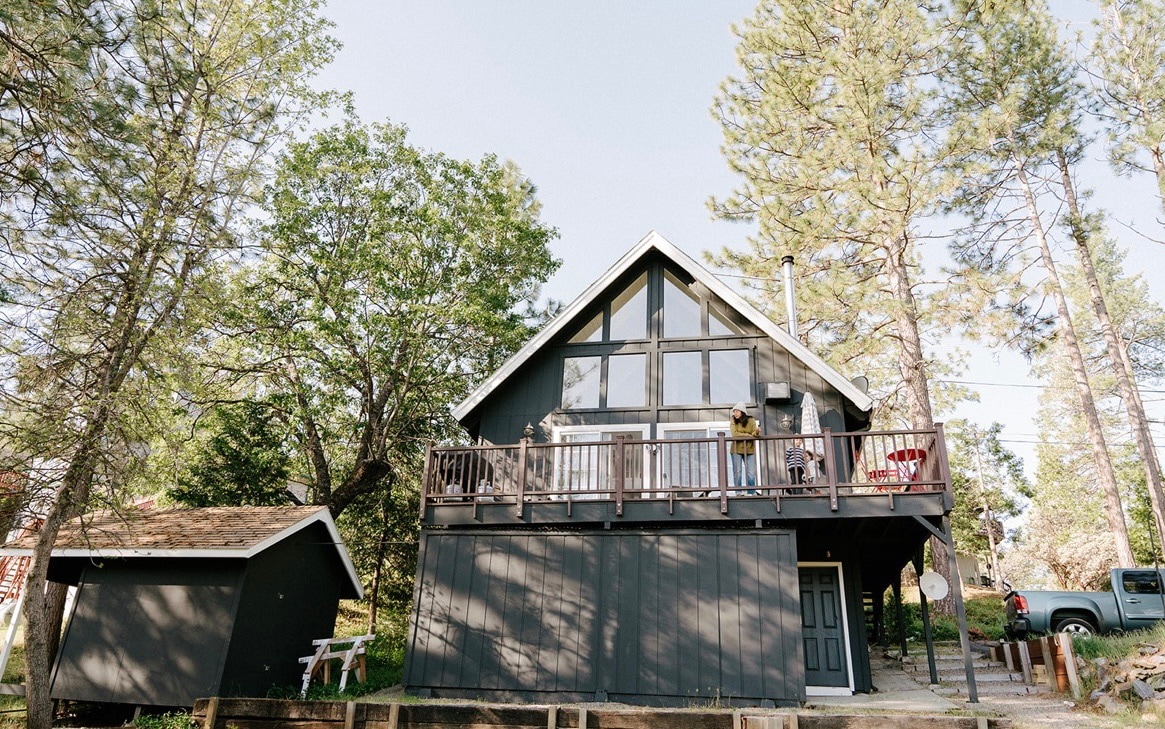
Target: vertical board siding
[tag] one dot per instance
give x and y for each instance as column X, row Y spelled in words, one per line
column 669, row 613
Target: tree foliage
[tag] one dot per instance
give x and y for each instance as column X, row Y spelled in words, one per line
column 390, row 282
column 1128, row 61
column 132, row 133
column 242, row 461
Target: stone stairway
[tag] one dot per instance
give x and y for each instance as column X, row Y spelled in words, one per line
column 991, row 677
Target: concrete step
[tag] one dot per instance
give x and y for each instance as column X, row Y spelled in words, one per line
column 991, row 689
column 980, row 676
column 923, row 666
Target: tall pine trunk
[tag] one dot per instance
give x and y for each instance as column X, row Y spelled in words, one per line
column 1105, row 474
column 1117, row 354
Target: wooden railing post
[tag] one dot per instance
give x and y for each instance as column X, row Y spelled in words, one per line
column 722, row 461
column 620, row 468
column 940, row 446
column 427, row 478
column 830, row 467
column 523, row 446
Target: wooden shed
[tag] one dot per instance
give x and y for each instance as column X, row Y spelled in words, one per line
column 174, row 605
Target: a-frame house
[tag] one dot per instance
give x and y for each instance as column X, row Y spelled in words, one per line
column 593, row 545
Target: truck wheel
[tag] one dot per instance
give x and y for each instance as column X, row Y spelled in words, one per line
column 1075, row 625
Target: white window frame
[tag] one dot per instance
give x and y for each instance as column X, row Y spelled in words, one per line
column 558, row 433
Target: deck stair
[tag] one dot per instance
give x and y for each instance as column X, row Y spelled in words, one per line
column 991, row 677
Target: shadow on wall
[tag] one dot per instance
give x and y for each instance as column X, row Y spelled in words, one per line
column 676, row 616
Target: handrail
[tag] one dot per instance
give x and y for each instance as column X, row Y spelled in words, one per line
column 879, row 463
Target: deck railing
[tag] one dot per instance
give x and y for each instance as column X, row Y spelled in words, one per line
column 874, row 464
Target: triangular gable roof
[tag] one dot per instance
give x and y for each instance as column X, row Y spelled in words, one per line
column 215, row 532
column 653, row 241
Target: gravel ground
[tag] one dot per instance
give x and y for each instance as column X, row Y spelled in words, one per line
column 1039, row 711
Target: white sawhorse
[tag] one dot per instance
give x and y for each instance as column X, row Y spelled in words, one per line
column 353, row 658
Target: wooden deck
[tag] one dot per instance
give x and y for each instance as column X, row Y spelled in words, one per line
column 863, row 475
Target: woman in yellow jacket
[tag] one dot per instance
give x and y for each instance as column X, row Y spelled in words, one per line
column 743, row 451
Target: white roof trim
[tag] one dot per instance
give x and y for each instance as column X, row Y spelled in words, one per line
column 321, row 515
column 654, row 240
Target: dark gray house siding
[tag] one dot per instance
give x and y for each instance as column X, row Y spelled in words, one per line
column 289, row 598
column 149, row 632
column 653, row 617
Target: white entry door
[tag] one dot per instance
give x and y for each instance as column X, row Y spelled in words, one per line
column 693, row 467
column 589, row 469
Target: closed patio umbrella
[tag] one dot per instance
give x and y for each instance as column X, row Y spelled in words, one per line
column 811, row 425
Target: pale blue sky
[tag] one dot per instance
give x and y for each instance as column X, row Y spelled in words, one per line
column 605, row 106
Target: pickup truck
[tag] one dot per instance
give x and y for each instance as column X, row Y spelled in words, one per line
column 1136, row 602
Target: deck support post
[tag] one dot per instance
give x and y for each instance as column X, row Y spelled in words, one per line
column 960, row 611
column 926, row 631
column 898, row 613
column 426, row 478
column 944, row 534
column 620, row 469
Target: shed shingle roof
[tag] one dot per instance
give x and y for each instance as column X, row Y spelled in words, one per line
column 224, row 527
column 215, row 532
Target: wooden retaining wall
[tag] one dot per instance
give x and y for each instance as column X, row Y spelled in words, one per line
column 1048, row 659
column 271, row 713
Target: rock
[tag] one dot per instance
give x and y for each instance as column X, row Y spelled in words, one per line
column 1105, row 684
column 1148, row 649
column 1095, row 695
column 1155, row 705
column 1121, row 687
column 1143, row 690
column 1109, row 704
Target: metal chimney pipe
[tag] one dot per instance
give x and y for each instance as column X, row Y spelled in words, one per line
column 790, row 295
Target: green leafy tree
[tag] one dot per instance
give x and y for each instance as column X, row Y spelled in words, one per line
column 989, row 482
column 391, row 281
column 134, row 133
column 243, row 461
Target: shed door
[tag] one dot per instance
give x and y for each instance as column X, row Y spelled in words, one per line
column 822, row 628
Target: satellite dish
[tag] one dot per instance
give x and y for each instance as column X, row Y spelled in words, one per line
column 933, row 585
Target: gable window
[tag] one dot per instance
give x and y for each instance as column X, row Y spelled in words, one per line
column 580, row 382
column 681, row 308
column 625, row 381
column 683, row 378
column 729, row 376
column 592, row 332
column 721, row 322
column 726, row 379
column 629, row 312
